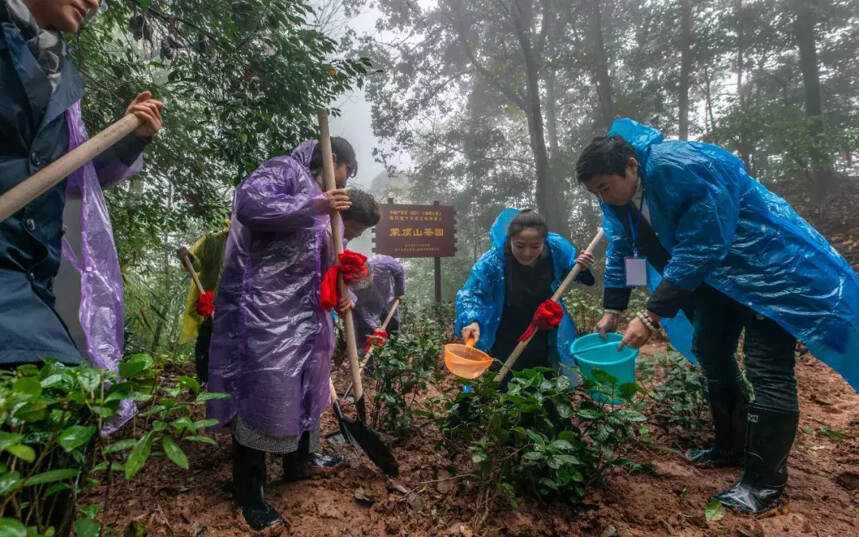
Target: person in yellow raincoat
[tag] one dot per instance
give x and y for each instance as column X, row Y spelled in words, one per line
column 207, row 257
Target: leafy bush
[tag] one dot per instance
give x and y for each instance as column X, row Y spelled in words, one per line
column 49, row 446
column 542, row 437
column 402, row 369
column 680, row 398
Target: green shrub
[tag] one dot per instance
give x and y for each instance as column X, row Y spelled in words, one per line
column 542, row 437
column 403, row 368
column 49, row 442
column 679, row 399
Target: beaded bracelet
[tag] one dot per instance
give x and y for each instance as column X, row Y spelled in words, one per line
column 647, row 322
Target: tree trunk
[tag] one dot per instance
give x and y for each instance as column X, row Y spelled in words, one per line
column 548, row 196
column 744, row 146
column 823, row 176
column 685, row 66
column 599, row 65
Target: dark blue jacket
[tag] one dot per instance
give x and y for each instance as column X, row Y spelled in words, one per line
column 33, row 133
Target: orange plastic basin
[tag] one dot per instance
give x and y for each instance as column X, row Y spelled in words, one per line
column 465, row 361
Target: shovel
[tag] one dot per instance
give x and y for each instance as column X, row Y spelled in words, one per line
column 562, row 290
column 337, row 231
column 361, row 436
column 384, row 326
column 40, row 182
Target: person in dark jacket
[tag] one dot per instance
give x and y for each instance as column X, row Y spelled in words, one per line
column 40, row 120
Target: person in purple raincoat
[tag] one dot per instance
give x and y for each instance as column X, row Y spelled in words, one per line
column 387, row 283
column 272, row 342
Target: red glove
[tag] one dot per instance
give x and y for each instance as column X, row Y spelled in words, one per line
column 547, row 317
column 206, row 304
column 353, row 267
column 378, row 337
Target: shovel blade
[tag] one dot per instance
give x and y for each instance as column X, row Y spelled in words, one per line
column 371, row 443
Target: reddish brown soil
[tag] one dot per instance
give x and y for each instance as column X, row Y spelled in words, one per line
column 431, row 496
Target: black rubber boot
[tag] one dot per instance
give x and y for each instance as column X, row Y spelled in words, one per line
column 249, row 487
column 728, row 407
column 297, row 465
column 768, row 440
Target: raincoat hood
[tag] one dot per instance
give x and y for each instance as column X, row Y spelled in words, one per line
column 482, row 297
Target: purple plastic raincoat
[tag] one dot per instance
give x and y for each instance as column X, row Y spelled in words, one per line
column 272, row 343
column 372, row 302
column 102, row 308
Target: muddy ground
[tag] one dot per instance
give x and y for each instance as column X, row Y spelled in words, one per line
column 432, row 495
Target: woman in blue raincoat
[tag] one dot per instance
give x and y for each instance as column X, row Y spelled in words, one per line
column 723, row 255
column 522, row 270
column 272, row 341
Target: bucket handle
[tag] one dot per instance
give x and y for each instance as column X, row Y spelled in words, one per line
column 596, row 347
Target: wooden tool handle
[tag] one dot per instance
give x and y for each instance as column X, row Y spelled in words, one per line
column 337, row 232
column 333, row 390
column 391, row 313
column 190, row 266
column 562, row 290
column 40, row 182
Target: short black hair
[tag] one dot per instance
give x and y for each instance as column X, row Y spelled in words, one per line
column 528, row 219
column 605, row 155
column 364, row 208
column 344, row 152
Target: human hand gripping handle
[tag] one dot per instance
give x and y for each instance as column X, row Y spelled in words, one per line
column 637, row 333
column 471, row 331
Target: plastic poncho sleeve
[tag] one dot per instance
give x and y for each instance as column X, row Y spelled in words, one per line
column 615, row 293
column 268, row 200
column 399, row 281
column 475, row 302
column 709, row 210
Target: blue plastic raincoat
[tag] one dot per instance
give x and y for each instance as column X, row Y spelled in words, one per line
column 482, row 297
column 722, row 227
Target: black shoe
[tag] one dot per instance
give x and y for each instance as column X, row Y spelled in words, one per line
column 298, row 466
column 249, row 487
column 769, row 437
column 728, row 407
column 321, row 460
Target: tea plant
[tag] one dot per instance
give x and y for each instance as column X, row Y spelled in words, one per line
column 403, row 368
column 542, row 437
column 50, row 449
column 680, row 398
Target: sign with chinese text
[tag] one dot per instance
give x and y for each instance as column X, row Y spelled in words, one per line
column 416, row 231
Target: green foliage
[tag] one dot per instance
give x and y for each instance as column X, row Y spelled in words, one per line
column 679, row 399
column 542, row 437
column 403, row 368
column 241, row 82
column 49, row 442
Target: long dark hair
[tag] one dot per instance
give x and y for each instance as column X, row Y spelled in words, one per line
column 527, row 219
column 344, row 152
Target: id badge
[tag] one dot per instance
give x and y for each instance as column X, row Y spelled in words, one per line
column 636, row 271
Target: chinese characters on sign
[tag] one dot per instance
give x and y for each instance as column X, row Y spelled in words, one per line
column 416, row 231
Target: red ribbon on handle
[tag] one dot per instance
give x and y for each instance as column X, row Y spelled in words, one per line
column 377, row 338
column 353, row 267
column 206, row 304
column 547, row 317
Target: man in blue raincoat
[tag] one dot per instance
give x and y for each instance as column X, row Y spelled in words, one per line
column 722, row 252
